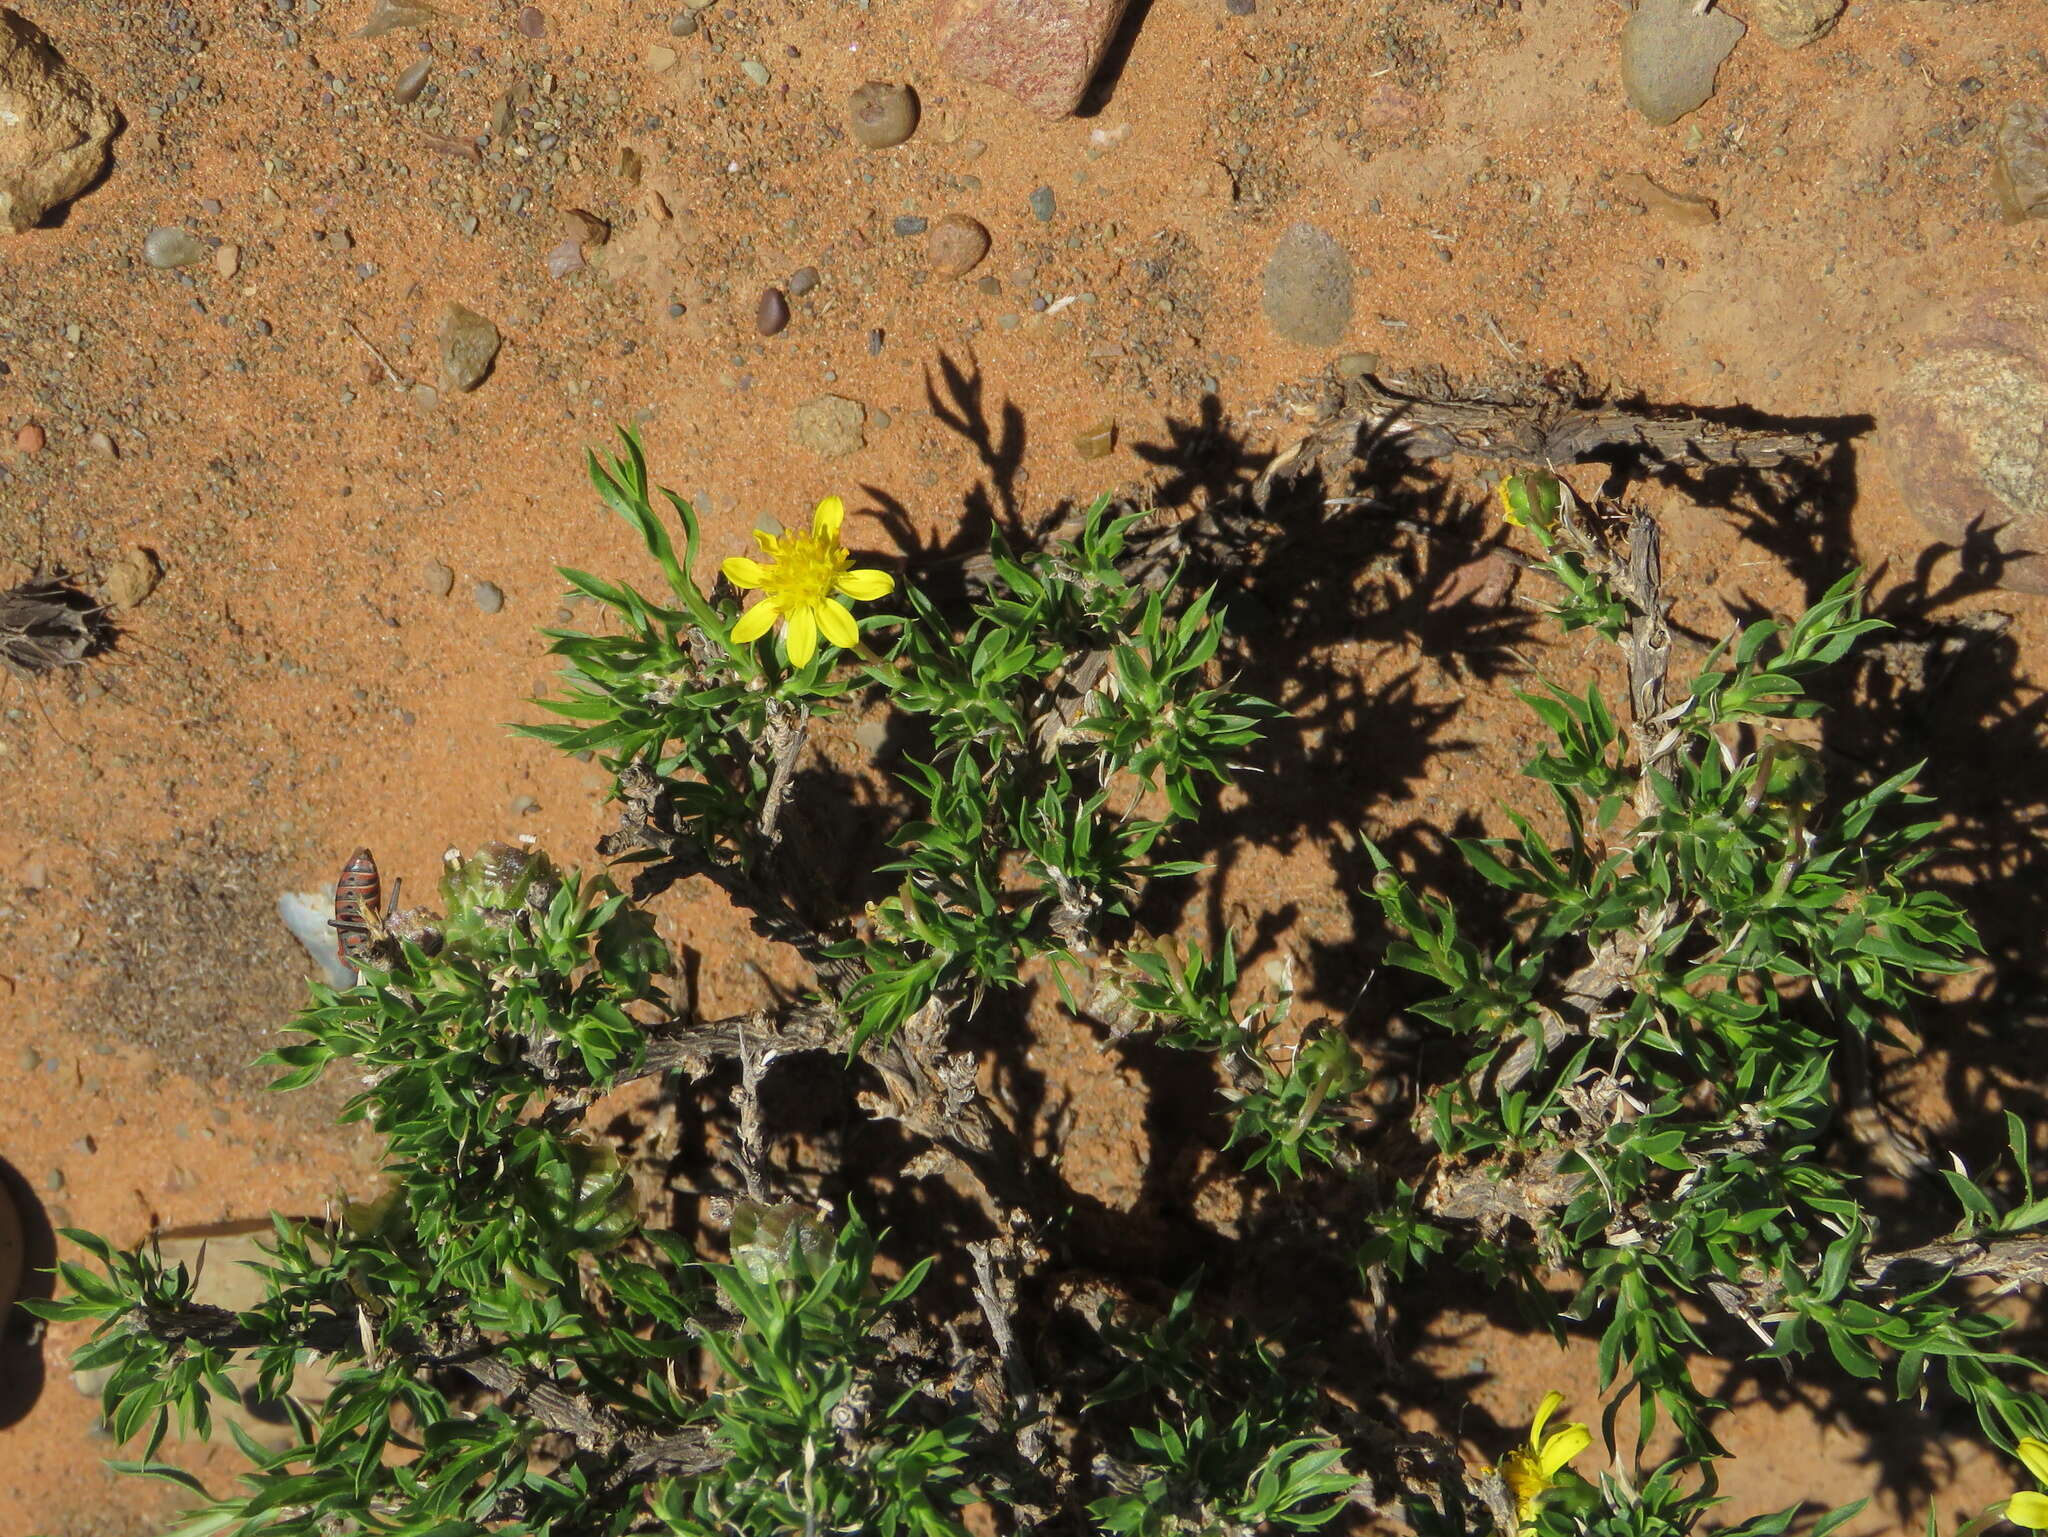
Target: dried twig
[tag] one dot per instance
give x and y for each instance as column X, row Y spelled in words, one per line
column 1547, row 429
column 747, row 1095
column 47, row 624
column 785, row 739
column 396, row 379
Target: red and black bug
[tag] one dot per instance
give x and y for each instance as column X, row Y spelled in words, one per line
column 356, row 896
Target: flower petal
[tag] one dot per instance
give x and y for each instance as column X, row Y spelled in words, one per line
column 742, row 572
column 765, row 540
column 756, row 622
column 866, row 586
column 2034, row 1453
column 827, row 517
column 2029, row 1510
column 1562, row 1445
column 1552, row 1402
column 838, row 625
column 802, row 636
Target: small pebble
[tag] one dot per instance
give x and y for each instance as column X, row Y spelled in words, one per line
column 524, row 805
column 882, row 115
column 585, row 228
column 469, row 346
column 1356, row 365
column 909, row 224
column 1240, row 7
column 212, row 206
column 28, row 1059
column 803, row 280
column 407, row 87
column 54, row 1180
column 31, row 438
column 565, row 259
column 530, row 22
column 875, row 341
column 103, row 445
column 437, row 579
column 989, row 284
column 170, row 246
column 754, row 70
column 957, row 246
column 1044, row 205
column 227, row 260
column 682, row 24
column 489, row 596
column 1096, row 441
column 771, row 315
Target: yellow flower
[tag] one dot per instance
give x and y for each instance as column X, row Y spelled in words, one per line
column 2026, row 1508
column 1530, row 501
column 1530, row 1471
column 797, row 582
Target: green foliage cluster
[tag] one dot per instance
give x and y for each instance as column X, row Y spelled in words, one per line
column 1663, row 1026
column 1654, row 988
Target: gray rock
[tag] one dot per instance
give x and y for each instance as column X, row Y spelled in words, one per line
column 1670, row 53
column 1308, row 288
column 170, row 246
column 1795, row 23
column 2019, row 168
column 830, row 426
column 803, row 280
column 407, row 87
column 489, row 596
column 882, row 115
column 909, row 224
column 437, row 579
column 1044, row 205
column 1961, row 432
column 469, row 346
column 54, row 127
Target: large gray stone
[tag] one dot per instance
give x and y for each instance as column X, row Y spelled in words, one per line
column 54, row 127
column 1965, row 432
column 1307, row 291
column 1670, row 53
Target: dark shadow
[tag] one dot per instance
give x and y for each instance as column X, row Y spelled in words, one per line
column 22, row 1368
column 1102, row 85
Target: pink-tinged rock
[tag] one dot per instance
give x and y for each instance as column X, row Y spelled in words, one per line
column 565, row 259
column 1043, row 52
column 1962, row 432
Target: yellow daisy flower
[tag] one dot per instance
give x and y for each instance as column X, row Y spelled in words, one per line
column 797, row 582
column 1530, row 1471
column 2025, row 1507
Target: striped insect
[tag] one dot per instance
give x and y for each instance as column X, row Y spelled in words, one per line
column 355, row 921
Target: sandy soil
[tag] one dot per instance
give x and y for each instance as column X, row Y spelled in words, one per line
column 296, row 686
